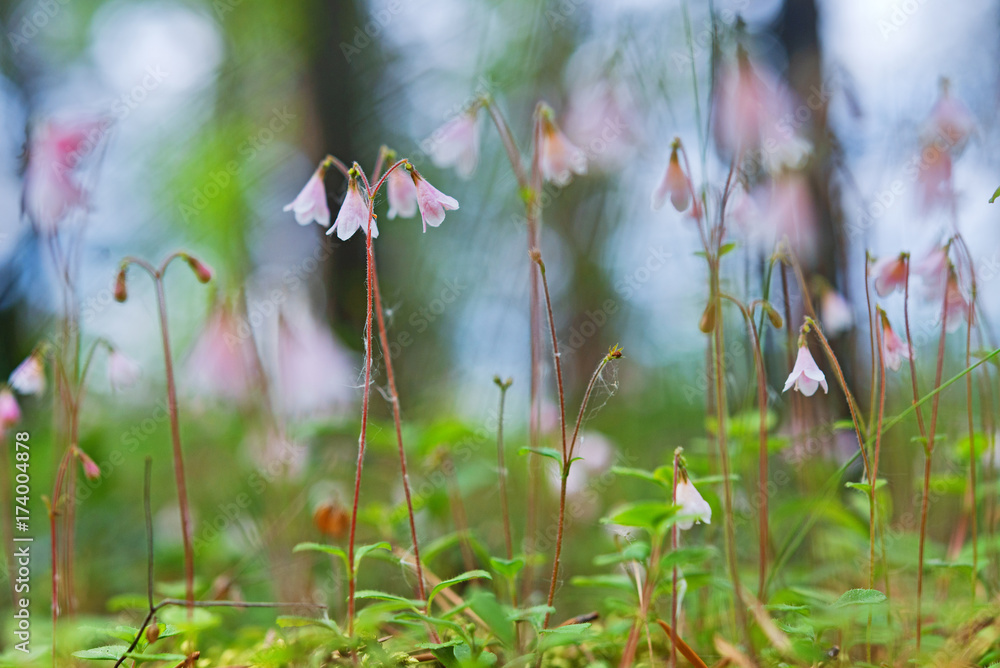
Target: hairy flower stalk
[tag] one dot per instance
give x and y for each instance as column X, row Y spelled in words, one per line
column 203, row 274
column 567, row 447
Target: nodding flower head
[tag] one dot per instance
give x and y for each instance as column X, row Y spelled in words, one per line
column 958, row 307
column 353, row 213
column 675, row 184
column 806, row 375
column 121, row 292
column 559, row 159
column 890, row 274
column 201, row 270
column 693, row 507
column 456, row 143
column 836, row 312
column 90, row 467
column 401, row 193
column 933, row 270
column 950, row 120
column 431, row 201
column 894, row 351
column 29, row 376
column 310, row 204
column 10, row 412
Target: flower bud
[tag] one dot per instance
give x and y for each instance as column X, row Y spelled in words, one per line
column 707, row 323
column 773, row 316
column 201, row 270
column 90, row 467
column 330, row 519
column 152, row 633
column 121, row 294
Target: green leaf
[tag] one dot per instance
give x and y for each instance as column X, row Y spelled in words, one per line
column 145, row 658
column 726, row 248
column 571, row 634
column 509, row 568
column 363, row 551
column 996, row 193
column 383, row 596
column 637, row 551
column 865, row 487
column 648, row 515
column 641, row 474
column 613, row 581
column 488, row 609
column 544, row 452
column 319, row 547
column 687, row 556
column 464, row 577
column 860, row 597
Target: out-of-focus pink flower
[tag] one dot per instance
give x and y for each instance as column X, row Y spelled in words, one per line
column 933, row 272
column 894, row 351
column 934, row 185
column 958, row 308
column 29, row 376
column 123, row 371
column 353, row 214
column 675, row 184
column 310, row 204
column 806, row 375
column 787, row 211
column 890, row 275
column 694, row 507
column 600, row 117
column 950, row 122
column 90, row 467
column 315, row 373
column 56, row 149
column 10, row 412
column 558, row 157
column 223, row 362
column 431, row 201
column 456, row 143
column 749, row 105
column 836, row 313
column 401, row 193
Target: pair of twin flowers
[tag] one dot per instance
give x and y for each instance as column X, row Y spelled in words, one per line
column 406, row 190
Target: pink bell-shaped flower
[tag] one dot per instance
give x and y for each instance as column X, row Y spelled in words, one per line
column 29, row 376
column 836, row 312
column 431, row 201
column 353, row 214
column 401, row 193
column 890, row 275
column 456, row 143
column 559, row 159
column 806, row 375
column 10, row 412
column 958, row 307
column 894, row 351
column 675, row 184
column 51, row 190
column 310, row 204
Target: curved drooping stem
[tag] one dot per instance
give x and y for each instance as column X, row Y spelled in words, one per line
column 172, row 409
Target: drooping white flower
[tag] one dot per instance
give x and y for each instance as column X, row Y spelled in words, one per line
column 353, row 214
column 693, row 507
column 310, row 204
column 559, row 158
column 806, row 375
column 456, row 143
column 431, row 201
column 836, row 312
column 29, row 376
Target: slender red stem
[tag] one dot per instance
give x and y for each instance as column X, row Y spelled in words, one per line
column 929, row 451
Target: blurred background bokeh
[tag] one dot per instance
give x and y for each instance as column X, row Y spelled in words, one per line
column 209, row 116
